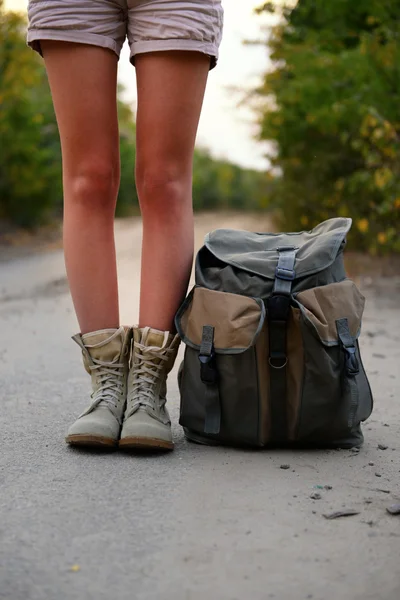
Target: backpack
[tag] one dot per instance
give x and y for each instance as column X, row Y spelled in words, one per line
column 271, row 333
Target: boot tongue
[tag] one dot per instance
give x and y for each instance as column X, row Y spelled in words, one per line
column 104, row 350
column 153, row 338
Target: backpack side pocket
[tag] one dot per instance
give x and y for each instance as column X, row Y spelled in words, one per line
column 222, row 400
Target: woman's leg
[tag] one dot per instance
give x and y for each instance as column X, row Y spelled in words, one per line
column 83, row 86
column 170, row 94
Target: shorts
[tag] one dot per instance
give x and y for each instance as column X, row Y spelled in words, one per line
column 149, row 25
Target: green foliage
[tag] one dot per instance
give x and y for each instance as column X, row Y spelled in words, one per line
column 29, row 152
column 219, row 184
column 127, row 197
column 332, row 107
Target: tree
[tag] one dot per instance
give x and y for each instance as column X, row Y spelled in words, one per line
column 331, row 105
column 30, row 179
column 128, row 202
column 220, row 184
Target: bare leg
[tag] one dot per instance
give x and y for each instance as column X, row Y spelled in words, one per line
column 83, row 85
column 170, row 94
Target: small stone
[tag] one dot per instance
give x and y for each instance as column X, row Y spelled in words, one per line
column 394, row 509
column 285, row 467
column 347, row 512
column 386, row 425
column 355, row 450
column 328, row 487
column 371, row 463
column 383, row 491
column 368, row 501
column 378, row 475
column 316, row 496
column 376, row 355
column 382, row 447
column 75, row 568
column 370, row 523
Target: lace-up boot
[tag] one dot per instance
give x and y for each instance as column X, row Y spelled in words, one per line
column 146, row 421
column 106, row 359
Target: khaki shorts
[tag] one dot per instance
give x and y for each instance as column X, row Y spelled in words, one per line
column 149, row 25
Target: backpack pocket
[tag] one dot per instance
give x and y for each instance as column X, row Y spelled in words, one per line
column 224, row 397
column 335, row 394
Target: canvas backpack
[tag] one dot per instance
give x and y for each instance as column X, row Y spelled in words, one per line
column 271, row 332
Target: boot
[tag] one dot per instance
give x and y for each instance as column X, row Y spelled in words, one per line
column 146, row 421
column 106, row 359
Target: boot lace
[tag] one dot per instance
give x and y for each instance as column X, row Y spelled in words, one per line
column 144, row 377
column 110, row 379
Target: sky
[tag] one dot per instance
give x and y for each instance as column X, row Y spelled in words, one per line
column 225, row 128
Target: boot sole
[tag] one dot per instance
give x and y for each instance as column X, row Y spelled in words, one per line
column 90, row 440
column 144, row 443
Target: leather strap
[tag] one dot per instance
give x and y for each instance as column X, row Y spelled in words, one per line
column 351, row 366
column 209, row 376
column 278, row 313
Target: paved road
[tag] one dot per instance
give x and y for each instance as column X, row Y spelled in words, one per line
column 198, row 523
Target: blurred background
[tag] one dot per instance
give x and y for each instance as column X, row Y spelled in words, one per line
column 301, row 121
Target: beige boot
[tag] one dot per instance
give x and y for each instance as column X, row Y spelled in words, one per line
column 106, row 359
column 146, row 422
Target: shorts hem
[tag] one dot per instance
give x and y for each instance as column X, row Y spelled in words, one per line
column 146, row 46
column 35, row 36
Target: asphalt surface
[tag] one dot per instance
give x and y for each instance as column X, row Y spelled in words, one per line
column 201, row 522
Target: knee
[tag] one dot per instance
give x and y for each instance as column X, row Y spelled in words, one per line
column 163, row 188
column 95, row 184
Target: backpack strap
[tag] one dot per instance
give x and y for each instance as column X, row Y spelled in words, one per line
column 209, row 376
column 351, row 365
column 278, row 313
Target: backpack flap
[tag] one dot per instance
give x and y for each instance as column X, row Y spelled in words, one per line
column 237, row 320
column 322, row 308
column 257, row 253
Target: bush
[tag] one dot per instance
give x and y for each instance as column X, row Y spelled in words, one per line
column 331, row 105
column 30, row 175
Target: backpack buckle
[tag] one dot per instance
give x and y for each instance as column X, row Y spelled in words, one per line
column 278, row 306
column 350, row 361
column 348, row 344
column 208, row 369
